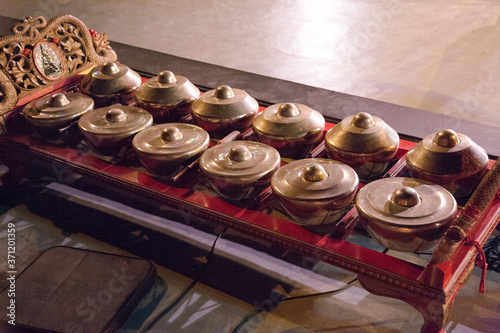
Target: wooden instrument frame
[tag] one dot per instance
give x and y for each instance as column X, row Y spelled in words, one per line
column 430, row 289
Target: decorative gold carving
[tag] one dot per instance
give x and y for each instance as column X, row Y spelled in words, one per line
column 74, row 51
column 100, row 42
column 30, row 26
column 8, row 94
column 75, row 45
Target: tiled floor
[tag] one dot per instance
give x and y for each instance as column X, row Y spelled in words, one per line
column 438, row 56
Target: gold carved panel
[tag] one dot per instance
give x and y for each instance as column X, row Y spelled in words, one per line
column 40, row 53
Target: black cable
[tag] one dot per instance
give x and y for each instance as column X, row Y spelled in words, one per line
column 424, row 253
column 245, row 320
column 322, row 293
column 252, row 314
column 179, row 298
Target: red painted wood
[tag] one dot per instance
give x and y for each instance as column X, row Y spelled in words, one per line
column 60, row 85
column 361, row 255
column 350, row 251
column 433, row 282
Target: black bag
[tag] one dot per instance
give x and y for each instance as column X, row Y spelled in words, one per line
column 73, row 290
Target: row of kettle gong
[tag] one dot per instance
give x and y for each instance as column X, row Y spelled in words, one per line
column 309, row 190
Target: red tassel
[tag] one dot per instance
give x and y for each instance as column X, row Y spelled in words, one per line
column 480, row 262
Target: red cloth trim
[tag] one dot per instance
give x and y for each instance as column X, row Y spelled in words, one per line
column 480, row 261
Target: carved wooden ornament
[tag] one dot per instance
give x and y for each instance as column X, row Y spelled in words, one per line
column 40, row 53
